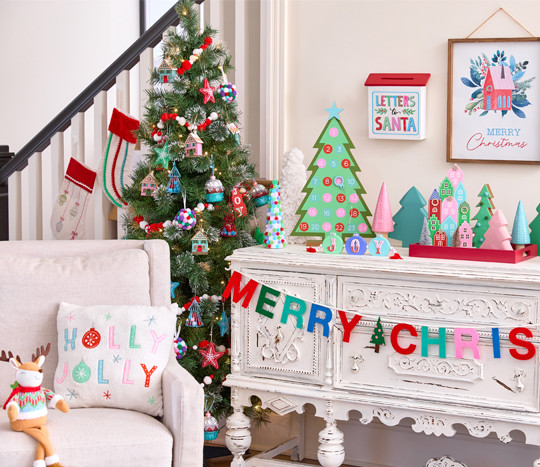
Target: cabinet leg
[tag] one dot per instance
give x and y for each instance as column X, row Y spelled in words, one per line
column 331, row 452
column 238, row 437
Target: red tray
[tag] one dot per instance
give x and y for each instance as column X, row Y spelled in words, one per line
column 474, row 254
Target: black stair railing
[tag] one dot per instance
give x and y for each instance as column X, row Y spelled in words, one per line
column 85, row 99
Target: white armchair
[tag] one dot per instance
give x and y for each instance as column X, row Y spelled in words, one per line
column 34, row 278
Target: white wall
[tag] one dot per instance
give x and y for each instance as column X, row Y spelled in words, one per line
column 334, row 45
column 51, row 50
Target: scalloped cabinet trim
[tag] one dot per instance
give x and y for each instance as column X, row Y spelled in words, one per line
column 288, row 367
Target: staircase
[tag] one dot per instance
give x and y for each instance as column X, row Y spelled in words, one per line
column 31, row 178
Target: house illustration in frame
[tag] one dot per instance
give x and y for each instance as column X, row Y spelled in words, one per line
column 498, row 87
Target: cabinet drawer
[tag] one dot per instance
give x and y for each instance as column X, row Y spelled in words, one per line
column 438, row 301
column 504, row 383
column 282, row 351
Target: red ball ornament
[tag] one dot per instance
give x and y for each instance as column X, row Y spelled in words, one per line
column 204, row 46
column 91, row 338
column 208, row 40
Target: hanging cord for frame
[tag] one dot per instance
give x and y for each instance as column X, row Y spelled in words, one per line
column 507, row 14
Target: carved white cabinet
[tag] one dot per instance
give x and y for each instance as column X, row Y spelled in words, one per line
column 287, row 367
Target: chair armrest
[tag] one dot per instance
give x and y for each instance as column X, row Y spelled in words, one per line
column 183, row 414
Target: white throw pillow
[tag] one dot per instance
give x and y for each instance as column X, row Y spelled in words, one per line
column 114, row 356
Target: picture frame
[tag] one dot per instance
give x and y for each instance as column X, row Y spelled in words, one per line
column 493, row 100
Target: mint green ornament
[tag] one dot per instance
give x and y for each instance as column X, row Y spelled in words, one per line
column 333, row 244
column 81, row 373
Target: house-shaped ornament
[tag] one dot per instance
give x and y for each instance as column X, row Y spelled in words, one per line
column 465, row 235
column 434, row 225
column 194, row 145
column 435, row 204
column 460, row 193
column 449, row 207
column 446, row 188
column 464, row 214
column 149, row 185
column 174, row 180
column 166, row 72
column 199, row 244
column 439, row 238
column 498, row 87
column 397, row 105
column 455, row 175
column 449, row 226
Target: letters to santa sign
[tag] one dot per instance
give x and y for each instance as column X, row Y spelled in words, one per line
column 397, row 105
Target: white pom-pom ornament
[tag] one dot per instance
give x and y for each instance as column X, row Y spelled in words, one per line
column 221, row 348
column 200, row 206
column 207, row 380
column 213, row 116
column 143, row 224
column 181, row 120
column 161, row 125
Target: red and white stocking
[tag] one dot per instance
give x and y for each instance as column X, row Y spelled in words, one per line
column 116, row 161
column 68, row 217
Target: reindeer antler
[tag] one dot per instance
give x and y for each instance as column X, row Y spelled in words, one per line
column 41, row 351
column 5, row 358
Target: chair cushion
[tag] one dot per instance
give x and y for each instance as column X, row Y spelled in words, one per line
column 113, row 356
column 31, row 290
column 91, row 437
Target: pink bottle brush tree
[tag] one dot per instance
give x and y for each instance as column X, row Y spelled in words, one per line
column 382, row 219
column 497, row 236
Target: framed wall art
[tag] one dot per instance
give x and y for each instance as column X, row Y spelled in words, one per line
column 494, row 100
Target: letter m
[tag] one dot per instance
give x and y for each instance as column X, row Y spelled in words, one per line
column 491, row 131
column 238, row 293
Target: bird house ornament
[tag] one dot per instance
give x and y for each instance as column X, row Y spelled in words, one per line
column 149, row 185
column 194, row 145
column 166, row 72
column 174, row 180
column 199, row 244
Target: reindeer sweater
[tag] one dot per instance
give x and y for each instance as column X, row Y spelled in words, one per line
column 32, row 402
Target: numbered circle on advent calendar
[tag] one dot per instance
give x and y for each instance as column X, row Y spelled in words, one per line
column 327, row 181
column 345, row 163
column 327, row 148
column 340, row 227
column 354, row 213
column 340, row 198
column 355, row 245
column 304, row 226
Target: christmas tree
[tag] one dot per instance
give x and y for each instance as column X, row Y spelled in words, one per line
column 377, row 337
column 408, row 221
column 497, row 236
column 483, row 215
column 186, row 120
column 535, row 228
column 333, row 201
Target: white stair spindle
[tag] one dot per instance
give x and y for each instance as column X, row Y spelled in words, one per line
column 122, row 103
column 14, row 206
column 101, row 205
column 48, row 193
column 25, row 205
column 35, row 215
column 57, row 162
column 146, row 64
column 77, row 137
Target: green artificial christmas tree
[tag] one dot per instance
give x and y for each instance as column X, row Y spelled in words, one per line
column 483, row 215
column 535, row 228
column 188, row 118
column 333, row 201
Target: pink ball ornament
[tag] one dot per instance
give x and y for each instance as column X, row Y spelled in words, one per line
column 186, row 218
column 227, row 92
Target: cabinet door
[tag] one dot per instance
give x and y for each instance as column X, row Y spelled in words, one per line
column 268, row 348
column 503, row 383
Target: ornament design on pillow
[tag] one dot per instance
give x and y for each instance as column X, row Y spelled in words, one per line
column 118, row 359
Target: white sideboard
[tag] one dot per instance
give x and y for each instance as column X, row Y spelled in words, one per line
column 288, row 367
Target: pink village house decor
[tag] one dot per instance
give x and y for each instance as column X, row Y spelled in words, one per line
column 194, row 145
column 397, row 105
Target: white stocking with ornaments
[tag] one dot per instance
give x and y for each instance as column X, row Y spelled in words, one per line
column 68, row 217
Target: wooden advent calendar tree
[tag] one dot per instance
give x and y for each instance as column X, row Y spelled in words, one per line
column 333, row 194
column 409, row 219
column 483, row 215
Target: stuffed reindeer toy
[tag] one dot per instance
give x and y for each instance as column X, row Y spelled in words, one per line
column 27, row 404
